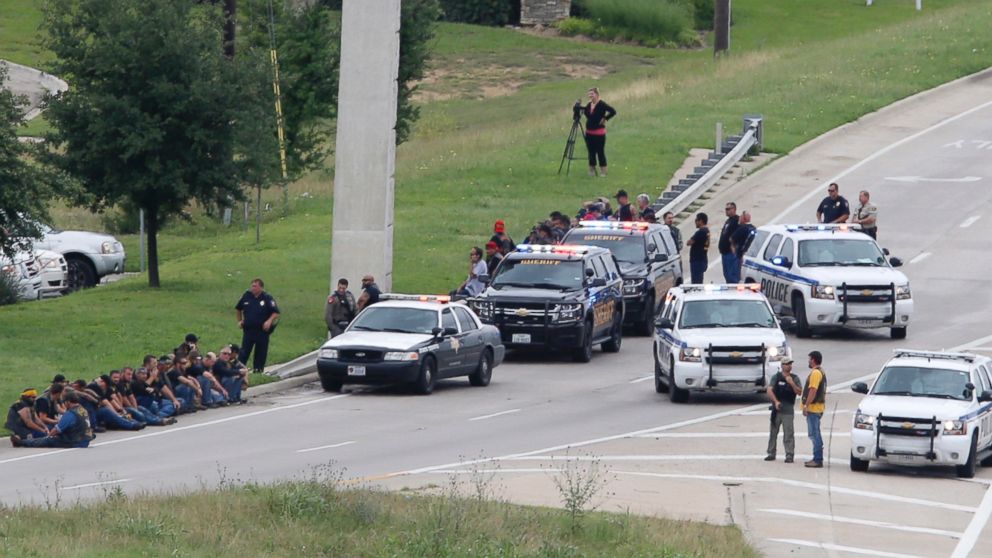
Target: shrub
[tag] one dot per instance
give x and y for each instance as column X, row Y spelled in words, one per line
column 10, row 289
column 702, row 14
column 482, row 12
column 576, row 26
column 648, row 21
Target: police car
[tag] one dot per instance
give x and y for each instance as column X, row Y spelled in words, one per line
column 556, row 297
column 926, row 408
column 648, row 259
column 415, row 339
column 716, row 338
column 829, row 276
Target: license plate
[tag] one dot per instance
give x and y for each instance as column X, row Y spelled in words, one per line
column 865, row 322
column 521, row 338
column 356, row 370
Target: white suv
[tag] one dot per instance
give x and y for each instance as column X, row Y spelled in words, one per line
column 25, row 272
column 926, row 408
column 90, row 256
column 716, row 338
column 829, row 276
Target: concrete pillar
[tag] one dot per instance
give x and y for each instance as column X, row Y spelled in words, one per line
column 365, row 152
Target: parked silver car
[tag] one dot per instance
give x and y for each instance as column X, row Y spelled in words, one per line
column 90, row 256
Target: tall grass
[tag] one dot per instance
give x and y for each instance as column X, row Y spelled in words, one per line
column 642, row 20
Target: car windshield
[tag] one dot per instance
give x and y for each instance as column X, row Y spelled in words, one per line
column 539, row 273
column 726, row 313
column 915, row 381
column 627, row 248
column 840, row 251
column 398, row 320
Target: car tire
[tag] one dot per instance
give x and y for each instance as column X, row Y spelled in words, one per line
column 897, row 333
column 646, row 327
column 967, row 471
column 659, row 384
column 424, row 384
column 484, row 372
column 616, row 339
column 81, row 273
column 675, row 393
column 330, row 384
column 803, row 330
column 584, row 353
column 859, row 465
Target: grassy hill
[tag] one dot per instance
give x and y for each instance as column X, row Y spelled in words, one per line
column 488, row 147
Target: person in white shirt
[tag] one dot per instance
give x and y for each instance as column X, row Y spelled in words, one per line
column 477, row 267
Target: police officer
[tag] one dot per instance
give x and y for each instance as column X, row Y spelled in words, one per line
column 834, row 208
column 698, row 246
column 867, row 215
column 258, row 314
column 782, row 390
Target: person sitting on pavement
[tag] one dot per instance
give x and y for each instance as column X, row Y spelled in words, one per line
column 89, row 401
column 218, row 391
column 72, row 431
column 107, row 415
column 230, row 376
column 148, row 397
column 340, row 309
column 473, row 285
column 186, row 388
column 166, row 402
column 187, row 346
column 197, row 372
column 48, row 407
column 124, row 399
column 21, row 417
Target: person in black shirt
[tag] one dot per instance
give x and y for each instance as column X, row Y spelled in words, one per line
column 834, row 208
column 47, row 407
column 624, row 212
column 597, row 113
column 782, row 390
column 258, row 315
column 21, row 417
column 370, row 292
column 506, row 244
column 669, row 220
column 493, row 257
column 727, row 256
column 740, row 241
column 698, row 246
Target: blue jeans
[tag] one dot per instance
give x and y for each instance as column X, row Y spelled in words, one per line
column 112, row 420
column 187, row 395
column 813, row 425
column 233, row 386
column 210, row 396
column 697, row 268
column 731, row 268
column 141, row 414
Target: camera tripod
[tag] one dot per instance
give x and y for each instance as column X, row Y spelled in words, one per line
column 576, row 130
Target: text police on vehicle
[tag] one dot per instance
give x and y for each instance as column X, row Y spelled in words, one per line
column 414, row 339
column 648, row 259
column 716, row 338
column 556, row 297
column 926, row 408
column 829, row 276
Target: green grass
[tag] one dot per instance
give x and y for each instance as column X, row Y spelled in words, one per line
column 19, row 38
column 311, row 518
column 35, row 127
column 473, row 161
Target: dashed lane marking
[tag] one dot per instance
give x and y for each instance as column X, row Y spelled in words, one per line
column 975, row 527
column 329, row 446
column 89, row 484
column 499, row 414
column 970, row 221
column 919, row 258
column 867, row 522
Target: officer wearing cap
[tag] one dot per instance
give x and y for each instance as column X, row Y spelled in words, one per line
column 782, row 390
column 624, row 212
column 258, row 315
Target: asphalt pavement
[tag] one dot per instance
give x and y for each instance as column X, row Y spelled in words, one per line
column 926, row 161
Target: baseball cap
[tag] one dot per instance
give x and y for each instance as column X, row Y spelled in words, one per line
column 492, row 245
column 500, row 226
column 191, row 338
column 787, row 360
column 621, row 194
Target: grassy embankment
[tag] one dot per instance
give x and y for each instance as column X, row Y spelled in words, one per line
column 475, row 158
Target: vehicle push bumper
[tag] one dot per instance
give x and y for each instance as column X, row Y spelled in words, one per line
column 636, row 309
column 861, row 306
column 728, row 369
column 909, row 441
column 380, row 372
column 531, row 324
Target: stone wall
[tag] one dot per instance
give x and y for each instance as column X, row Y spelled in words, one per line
column 543, row 12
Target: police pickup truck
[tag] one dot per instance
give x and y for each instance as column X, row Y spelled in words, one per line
column 926, row 408
column 829, row 276
column 561, row 297
column 716, row 338
column 649, row 263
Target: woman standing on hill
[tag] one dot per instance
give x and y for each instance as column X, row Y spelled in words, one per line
column 597, row 113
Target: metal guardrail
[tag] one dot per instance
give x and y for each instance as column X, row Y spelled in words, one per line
column 688, row 191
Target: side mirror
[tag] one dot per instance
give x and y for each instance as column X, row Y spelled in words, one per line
column 787, row 322
column 436, row 332
column 782, row 261
column 664, row 323
column 885, row 251
column 659, row 258
column 985, row 397
column 597, row 282
column 859, row 387
column 589, row 272
column 450, row 331
column 484, row 278
column 895, row 262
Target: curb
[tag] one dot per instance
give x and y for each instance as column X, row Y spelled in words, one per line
column 47, row 81
column 281, row 385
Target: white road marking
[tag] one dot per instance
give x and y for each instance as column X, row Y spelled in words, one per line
column 920, row 258
column 730, row 434
column 501, row 413
column 644, row 379
column 89, row 484
column 923, row 179
column 842, row 548
column 765, row 411
column 868, row 522
column 700, row 457
column 983, row 349
column 491, row 471
column 970, row 221
column 329, row 446
column 975, row 527
column 857, row 492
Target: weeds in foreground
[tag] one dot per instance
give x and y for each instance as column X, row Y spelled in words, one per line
column 579, row 482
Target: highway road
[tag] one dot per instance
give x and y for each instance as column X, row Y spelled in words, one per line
column 930, row 175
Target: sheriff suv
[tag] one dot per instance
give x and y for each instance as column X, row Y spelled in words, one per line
column 648, row 259
column 561, row 297
column 716, row 338
column 829, row 276
column 926, row 408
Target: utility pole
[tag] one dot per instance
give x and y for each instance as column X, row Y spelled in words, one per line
column 721, row 27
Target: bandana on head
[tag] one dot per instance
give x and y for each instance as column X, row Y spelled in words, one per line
column 30, row 392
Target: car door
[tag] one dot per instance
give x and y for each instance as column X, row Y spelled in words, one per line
column 667, row 344
column 663, row 271
column 771, row 284
column 472, row 342
column 750, row 271
column 603, row 303
column 984, row 384
column 449, row 354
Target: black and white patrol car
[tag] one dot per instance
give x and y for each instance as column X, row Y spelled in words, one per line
column 926, row 408
column 414, row 339
column 829, row 276
column 648, row 259
column 560, row 297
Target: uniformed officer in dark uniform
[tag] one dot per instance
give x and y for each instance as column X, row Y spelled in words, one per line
column 834, row 208
column 257, row 316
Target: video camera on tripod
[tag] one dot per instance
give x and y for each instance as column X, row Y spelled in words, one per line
column 572, row 134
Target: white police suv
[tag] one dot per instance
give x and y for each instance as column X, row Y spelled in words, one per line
column 716, row 338
column 926, row 408
column 829, row 276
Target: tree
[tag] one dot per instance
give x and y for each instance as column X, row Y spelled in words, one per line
column 150, row 118
column 23, row 188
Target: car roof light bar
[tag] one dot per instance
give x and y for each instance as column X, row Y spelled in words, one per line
column 552, row 249
column 615, row 225
column 443, row 299
column 712, row 287
column 911, row 353
column 833, row 227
